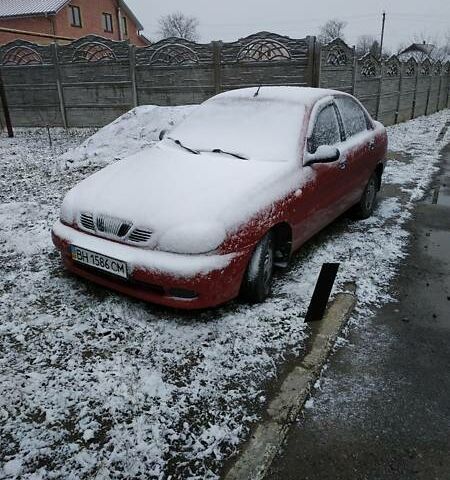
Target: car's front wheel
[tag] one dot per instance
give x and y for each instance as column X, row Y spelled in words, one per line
column 364, row 208
column 258, row 277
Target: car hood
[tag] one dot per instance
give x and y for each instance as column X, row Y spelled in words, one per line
column 165, row 187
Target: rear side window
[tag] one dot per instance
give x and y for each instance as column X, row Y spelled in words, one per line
column 326, row 130
column 353, row 116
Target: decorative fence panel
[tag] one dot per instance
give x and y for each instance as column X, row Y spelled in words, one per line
column 175, row 72
column 93, row 80
column 337, row 66
column 368, row 83
column 408, row 72
column 392, row 91
column 389, row 91
column 435, row 82
column 267, row 59
column 444, row 92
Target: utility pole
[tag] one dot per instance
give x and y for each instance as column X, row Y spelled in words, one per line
column 382, row 35
column 5, row 108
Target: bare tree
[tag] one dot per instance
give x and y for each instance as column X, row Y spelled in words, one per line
column 442, row 50
column 364, row 44
column 178, row 25
column 334, row 28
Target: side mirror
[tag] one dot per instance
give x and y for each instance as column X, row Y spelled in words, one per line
column 324, row 154
column 162, row 134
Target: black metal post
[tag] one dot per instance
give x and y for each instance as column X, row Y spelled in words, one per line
column 322, row 292
column 382, row 35
column 5, row 108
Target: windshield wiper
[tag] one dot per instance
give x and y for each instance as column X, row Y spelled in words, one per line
column 236, row 155
column 177, row 142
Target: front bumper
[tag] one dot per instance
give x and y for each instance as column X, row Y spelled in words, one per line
column 158, row 277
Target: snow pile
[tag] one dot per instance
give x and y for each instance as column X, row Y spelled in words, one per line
column 96, row 385
column 135, row 130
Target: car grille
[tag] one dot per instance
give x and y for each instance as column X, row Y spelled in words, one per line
column 139, row 236
column 107, row 226
column 112, row 226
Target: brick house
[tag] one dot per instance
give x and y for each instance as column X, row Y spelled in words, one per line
column 47, row 21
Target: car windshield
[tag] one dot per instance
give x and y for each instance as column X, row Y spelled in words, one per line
column 251, row 128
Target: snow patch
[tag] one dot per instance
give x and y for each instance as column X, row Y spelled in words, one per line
column 132, row 132
column 96, row 384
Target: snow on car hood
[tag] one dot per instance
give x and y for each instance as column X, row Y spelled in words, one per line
column 167, row 189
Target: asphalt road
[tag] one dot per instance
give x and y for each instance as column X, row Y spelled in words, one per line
column 382, row 410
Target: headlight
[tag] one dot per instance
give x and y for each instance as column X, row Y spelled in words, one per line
column 200, row 237
column 67, row 213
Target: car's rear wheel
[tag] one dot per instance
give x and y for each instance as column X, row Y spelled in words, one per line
column 257, row 282
column 364, row 208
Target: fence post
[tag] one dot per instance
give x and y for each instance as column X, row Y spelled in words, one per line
column 59, row 84
column 132, row 62
column 4, row 103
column 399, row 97
column 416, row 83
column 439, row 92
column 310, row 67
column 448, row 86
column 217, row 62
column 380, row 87
column 355, row 67
column 319, row 63
column 430, row 82
column 315, row 73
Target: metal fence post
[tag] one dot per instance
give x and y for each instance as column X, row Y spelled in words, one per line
column 62, row 106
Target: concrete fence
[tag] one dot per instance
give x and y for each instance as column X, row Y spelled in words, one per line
column 392, row 91
column 93, row 80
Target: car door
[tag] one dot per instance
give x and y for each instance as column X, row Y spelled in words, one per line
column 318, row 203
column 358, row 149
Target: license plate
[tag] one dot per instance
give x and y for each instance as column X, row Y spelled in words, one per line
column 99, row 261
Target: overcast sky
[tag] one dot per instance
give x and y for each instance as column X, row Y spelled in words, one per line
column 232, row 19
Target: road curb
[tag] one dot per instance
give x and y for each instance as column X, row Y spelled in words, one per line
column 260, row 450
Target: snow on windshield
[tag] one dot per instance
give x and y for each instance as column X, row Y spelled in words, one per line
column 255, row 128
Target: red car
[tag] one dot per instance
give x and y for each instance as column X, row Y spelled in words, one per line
column 229, row 194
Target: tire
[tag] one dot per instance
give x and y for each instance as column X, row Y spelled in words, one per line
column 257, row 281
column 364, row 208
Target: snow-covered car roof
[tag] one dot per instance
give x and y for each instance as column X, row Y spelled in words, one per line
column 302, row 95
column 262, row 123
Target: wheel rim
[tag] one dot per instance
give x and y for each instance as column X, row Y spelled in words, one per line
column 370, row 195
column 268, row 267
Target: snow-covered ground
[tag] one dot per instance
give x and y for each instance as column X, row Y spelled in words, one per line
column 96, row 385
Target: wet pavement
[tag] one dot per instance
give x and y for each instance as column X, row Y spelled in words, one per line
column 382, row 408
